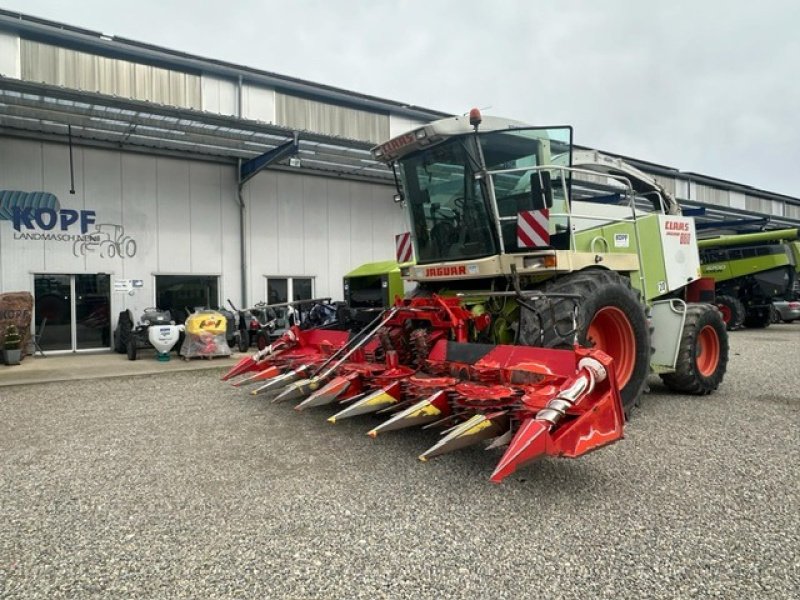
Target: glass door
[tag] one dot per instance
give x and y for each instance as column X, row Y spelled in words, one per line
column 73, row 312
column 53, row 308
column 92, row 311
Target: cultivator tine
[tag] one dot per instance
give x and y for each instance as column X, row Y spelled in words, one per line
column 475, row 429
column 328, row 394
column 373, row 402
column 280, row 380
column 298, row 389
column 529, row 443
column 425, row 411
column 268, row 373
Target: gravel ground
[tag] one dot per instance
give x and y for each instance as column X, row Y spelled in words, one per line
column 180, row 486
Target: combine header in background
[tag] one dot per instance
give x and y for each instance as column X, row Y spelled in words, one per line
column 751, row 270
column 531, row 324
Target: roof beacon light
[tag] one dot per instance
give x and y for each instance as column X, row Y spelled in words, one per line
column 475, row 117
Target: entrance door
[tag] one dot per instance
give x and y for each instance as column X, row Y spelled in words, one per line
column 92, row 311
column 77, row 309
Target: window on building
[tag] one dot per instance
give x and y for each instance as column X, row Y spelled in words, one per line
column 281, row 289
column 180, row 294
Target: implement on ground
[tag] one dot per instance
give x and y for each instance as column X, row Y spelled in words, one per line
column 550, row 283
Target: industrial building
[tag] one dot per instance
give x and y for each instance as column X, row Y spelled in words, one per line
column 143, row 176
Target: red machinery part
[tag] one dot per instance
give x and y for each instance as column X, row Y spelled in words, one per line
column 530, row 401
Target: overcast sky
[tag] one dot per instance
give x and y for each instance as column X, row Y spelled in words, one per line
column 706, row 86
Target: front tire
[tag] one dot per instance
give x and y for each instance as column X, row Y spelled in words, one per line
column 732, row 311
column 703, row 352
column 610, row 317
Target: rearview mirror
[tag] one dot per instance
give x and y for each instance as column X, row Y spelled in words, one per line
column 541, row 190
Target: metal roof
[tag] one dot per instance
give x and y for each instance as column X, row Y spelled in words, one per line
column 34, row 109
column 75, row 37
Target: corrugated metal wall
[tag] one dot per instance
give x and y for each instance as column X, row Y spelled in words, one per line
column 310, row 115
column 9, row 55
column 92, row 73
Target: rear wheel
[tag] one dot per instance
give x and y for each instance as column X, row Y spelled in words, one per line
column 262, row 340
column 243, row 341
column 132, row 349
column 732, row 311
column 757, row 318
column 703, row 352
column 610, row 317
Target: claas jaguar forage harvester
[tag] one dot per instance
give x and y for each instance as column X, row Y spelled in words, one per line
column 550, row 283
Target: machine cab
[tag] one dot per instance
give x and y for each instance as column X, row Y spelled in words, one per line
column 474, row 193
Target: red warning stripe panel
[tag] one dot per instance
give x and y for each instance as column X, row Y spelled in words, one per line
column 404, row 250
column 533, row 228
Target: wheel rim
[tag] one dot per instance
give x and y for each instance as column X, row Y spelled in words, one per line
column 726, row 312
column 707, row 357
column 612, row 332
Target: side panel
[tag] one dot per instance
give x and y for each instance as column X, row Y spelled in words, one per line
column 679, row 243
column 621, row 238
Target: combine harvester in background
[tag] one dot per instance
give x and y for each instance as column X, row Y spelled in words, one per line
column 531, row 324
column 751, row 271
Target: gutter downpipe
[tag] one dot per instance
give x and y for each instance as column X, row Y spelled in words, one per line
column 242, row 209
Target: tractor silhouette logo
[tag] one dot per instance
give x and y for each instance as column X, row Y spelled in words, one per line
column 108, row 240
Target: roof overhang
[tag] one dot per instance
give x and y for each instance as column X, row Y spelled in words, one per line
column 50, row 112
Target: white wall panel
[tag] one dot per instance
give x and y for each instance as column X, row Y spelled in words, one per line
column 139, row 209
column 20, row 169
column 231, row 246
column 340, row 236
column 291, row 247
column 174, row 238
column 103, row 194
column 315, row 233
column 218, row 95
column 64, row 257
column 361, row 249
column 258, row 103
column 205, row 218
column 9, row 55
column 737, row 200
column 262, row 232
column 399, row 125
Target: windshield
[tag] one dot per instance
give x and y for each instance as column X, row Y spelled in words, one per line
column 520, row 150
column 451, row 216
column 448, row 209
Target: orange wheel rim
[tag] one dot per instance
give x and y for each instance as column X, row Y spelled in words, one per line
column 611, row 331
column 726, row 312
column 707, row 357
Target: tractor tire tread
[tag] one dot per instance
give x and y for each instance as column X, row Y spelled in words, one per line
column 687, row 379
column 737, row 311
column 557, row 318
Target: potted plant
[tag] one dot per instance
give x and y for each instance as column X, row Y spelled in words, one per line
column 12, row 346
